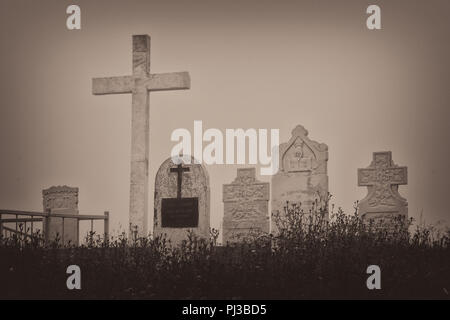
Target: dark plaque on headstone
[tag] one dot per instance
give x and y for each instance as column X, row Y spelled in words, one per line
column 179, row 212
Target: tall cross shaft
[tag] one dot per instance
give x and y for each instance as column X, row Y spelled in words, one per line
column 139, row 84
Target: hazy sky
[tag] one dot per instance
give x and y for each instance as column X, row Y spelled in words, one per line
column 253, row 64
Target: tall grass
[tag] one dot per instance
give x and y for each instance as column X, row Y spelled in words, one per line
column 311, row 256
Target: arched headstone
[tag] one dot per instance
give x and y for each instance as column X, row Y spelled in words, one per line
column 182, row 200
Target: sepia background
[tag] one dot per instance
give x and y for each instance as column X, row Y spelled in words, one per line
column 253, row 64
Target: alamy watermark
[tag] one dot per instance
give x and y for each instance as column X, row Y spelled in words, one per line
column 74, row 280
column 234, row 149
column 73, row 21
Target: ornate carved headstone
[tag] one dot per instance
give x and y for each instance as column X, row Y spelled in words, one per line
column 61, row 200
column 382, row 179
column 302, row 175
column 181, row 200
column 246, row 203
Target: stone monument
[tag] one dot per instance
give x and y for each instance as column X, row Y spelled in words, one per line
column 182, row 200
column 302, row 175
column 382, row 179
column 246, row 207
column 139, row 84
column 61, row 200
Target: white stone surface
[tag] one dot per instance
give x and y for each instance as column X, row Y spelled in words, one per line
column 302, row 176
column 139, row 85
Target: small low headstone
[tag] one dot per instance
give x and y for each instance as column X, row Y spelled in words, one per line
column 246, row 202
column 61, row 200
column 382, row 179
column 302, row 176
column 182, row 198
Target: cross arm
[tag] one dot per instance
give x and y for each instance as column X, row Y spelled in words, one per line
column 398, row 175
column 112, row 85
column 168, row 81
column 366, row 177
column 392, row 175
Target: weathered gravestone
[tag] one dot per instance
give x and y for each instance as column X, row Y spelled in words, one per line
column 382, row 179
column 302, row 176
column 139, row 84
column 246, row 202
column 182, row 198
column 61, row 200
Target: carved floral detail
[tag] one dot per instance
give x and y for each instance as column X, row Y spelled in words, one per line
column 60, row 197
column 382, row 178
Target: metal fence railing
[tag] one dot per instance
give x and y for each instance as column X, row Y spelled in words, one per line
column 24, row 222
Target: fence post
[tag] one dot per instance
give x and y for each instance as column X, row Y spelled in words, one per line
column 78, row 232
column 106, row 226
column 63, row 231
column 47, row 226
column 1, row 226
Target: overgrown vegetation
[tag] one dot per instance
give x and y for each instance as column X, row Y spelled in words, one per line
column 309, row 257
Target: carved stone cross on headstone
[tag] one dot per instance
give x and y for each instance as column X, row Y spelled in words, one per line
column 382, row 179
column 179, row 170
column 139, row 84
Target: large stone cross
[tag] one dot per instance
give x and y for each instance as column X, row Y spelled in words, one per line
column 139, row 84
